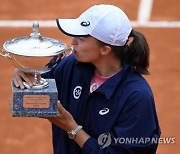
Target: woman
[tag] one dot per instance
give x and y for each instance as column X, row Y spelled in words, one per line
column 106, row 106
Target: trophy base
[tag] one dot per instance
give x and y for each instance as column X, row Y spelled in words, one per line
column 35, row 102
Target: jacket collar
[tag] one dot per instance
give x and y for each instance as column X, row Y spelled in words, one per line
column 108, row 88
column 115, row 81
column 86, row 70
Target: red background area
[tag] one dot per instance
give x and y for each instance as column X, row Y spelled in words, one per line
column 33, row 135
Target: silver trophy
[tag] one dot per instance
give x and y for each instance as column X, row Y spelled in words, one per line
column 36, row 54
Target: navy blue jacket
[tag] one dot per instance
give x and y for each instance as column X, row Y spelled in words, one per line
column 123, row 107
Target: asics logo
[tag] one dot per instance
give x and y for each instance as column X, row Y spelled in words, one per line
column 104, row 111
column 85, row 23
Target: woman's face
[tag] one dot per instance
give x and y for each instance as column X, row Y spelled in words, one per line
column 86, row 49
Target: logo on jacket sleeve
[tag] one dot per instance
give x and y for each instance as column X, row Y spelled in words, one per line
column 77, row 92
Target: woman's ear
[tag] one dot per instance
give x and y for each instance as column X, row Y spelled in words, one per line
column 105, row 50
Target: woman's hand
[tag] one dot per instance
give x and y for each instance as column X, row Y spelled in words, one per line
column 19, row 76
column 64, row 120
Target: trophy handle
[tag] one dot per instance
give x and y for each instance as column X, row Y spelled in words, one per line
column 65, row 54
column 5, row 54
column 71, row 51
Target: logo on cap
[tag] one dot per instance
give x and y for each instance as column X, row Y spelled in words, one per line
column 85, row 23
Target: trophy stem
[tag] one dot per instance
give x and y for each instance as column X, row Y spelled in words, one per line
column 36, row 78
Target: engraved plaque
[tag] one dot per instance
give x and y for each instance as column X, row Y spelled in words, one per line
column 36, row 101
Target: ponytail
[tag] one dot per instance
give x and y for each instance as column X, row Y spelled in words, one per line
column 136, row 53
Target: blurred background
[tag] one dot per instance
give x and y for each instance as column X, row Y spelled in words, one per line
column 158, row 20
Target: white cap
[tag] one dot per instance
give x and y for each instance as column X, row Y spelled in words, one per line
column 104, row 22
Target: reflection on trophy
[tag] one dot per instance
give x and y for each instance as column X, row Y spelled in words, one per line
column 39, row 55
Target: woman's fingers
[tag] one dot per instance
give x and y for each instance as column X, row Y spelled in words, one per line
column 17, row 80
column 60, row 107
column 20, row 76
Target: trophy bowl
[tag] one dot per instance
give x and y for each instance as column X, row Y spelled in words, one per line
column 35, row 54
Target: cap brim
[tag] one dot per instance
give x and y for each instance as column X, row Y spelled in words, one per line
column 70, row 27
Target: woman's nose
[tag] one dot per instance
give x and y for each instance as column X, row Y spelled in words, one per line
column 74, row 41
